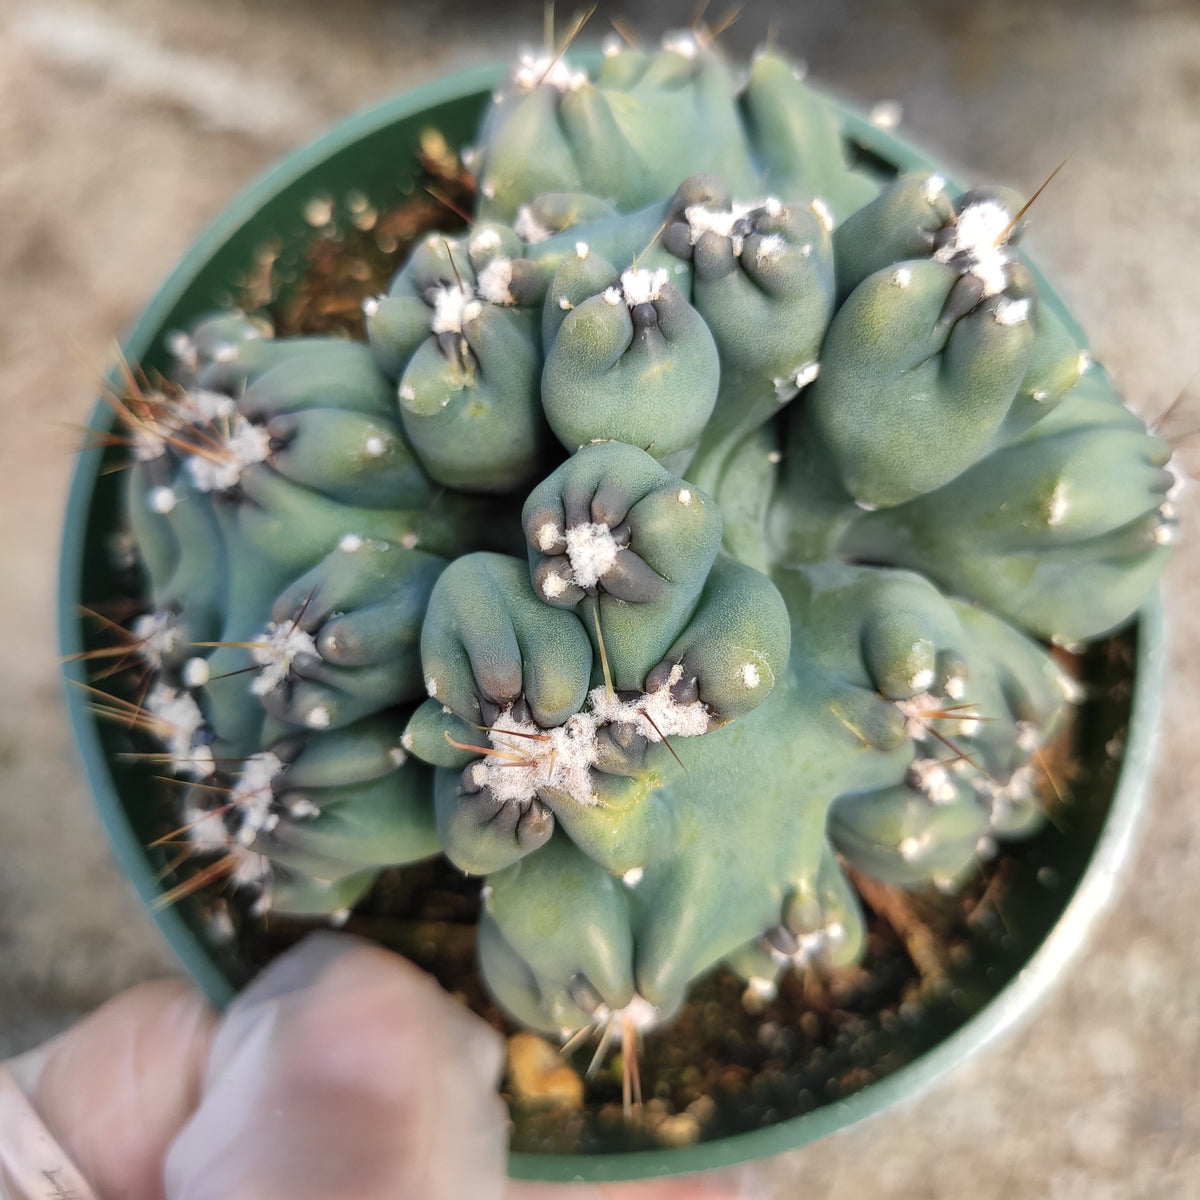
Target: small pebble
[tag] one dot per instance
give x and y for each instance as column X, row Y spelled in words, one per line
column 539, row 1075
column 680, row 1130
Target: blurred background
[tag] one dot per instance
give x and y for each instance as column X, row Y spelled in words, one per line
column 125, row 125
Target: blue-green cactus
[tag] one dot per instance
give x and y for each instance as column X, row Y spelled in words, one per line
column 679, row 541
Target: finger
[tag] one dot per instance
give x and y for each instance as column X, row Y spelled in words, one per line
column 345, row 1072
column 115, row 1089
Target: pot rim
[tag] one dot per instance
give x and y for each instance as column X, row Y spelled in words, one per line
column 999, row 1015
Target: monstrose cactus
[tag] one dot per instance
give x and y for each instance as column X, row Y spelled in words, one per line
column 688, row 535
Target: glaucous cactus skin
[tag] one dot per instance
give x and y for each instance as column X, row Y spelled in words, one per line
column 679, row 541
column 287, row 605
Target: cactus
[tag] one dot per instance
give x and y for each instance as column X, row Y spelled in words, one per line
column 683, row 538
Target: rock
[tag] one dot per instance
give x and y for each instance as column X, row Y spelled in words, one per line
column 539, row 1076
column 680, row 1130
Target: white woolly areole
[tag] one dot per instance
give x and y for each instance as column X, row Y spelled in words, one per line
column 639, row 1014
column 528, row 228
column 642, row 286
column 487, row 241
column 148, row 443
column 453, row 306
column 495, row 282
column 1028, row 737
column 182, row 348
column 553, row 586
column 703, row 220
column 965, row 726
column 1012, row 312
column 655, row 715
column 548, row 536
column 912, row 848
column 770, row 249
column 1002, row 798
column 591, row 551
column 205, row 828
column 977, row 235
column 919, row 724
column 219, row 924
column 178, row 723
column 532, row 758
column 681, row 43
column 582, row 250
column 789, row 386
column 986, row 848
column 922, row 681
column 156, row 635
column 810, row 945
column 751, row 677
column 806, row 373
column 206, row 407
column 534, row 70
column 933, row 778
column 562, row 757
column 935, row 185
column 821, row 211
column 1059, row 504
column 274, row 650
column 207, row 833
column 252, row 796
column 902, row 277
column 162, row 500
column 219, row 469
column 196, row 672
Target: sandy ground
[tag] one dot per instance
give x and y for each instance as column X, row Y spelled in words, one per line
column 125, row 126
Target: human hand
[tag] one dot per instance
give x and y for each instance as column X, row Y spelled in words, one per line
column 343, row 1072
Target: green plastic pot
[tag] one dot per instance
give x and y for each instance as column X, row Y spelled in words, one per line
column 1064, row 877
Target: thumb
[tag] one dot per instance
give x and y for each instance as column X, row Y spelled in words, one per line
column 116, row 1088
column 345, row 1071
